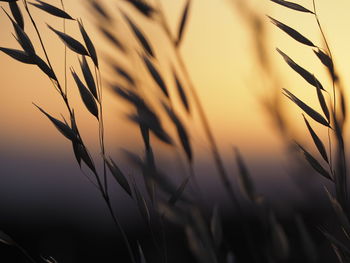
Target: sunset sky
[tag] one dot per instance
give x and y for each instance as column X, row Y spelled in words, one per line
column 219, row 54
column 44, row 194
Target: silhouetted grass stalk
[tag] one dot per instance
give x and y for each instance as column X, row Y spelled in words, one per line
column 329, row 119
column 102, row 188
column 25, row 253
column 204, row 120
column 207, row 243
column 65, row 52
column 341, row 156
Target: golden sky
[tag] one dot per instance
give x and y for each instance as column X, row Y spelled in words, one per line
column 218, row 52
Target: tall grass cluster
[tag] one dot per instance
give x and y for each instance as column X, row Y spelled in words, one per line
column 161, row 202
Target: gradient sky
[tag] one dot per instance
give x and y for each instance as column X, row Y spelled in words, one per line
column 218, row 51
column 40, row 180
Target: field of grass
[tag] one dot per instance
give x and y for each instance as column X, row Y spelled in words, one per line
column 176, row 158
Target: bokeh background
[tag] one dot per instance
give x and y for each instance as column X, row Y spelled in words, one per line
column 46, row 201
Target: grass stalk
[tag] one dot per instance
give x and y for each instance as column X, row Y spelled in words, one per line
column 121, row 229
column 341, row 176
column 101, row 128
column 327, row 47
column 202, row 115
column 25, row 253
column 65, row 52
column 102, row 186
column 38, row 34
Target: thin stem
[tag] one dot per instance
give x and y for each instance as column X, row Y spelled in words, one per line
column 329, row 129
column 39, row 36
column 341, row 180
column 155, row 242
column 90, row 180
column 118, row 224
column 99, row 183
column 115, row 219
column 196, row 184
column 165, row 248
column 328, row 50
column 330, row 163
column 189, row 162
column 25, row 253
column 65, row 52
column 205, row 123
column 101, row 128
column 64, row 96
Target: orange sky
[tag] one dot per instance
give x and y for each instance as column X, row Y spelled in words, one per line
column 218, row 54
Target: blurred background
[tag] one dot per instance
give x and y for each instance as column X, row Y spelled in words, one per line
column 47, row 203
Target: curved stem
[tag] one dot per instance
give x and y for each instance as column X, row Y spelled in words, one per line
column 39, row 35
column 101, row 188
column 25, row 253
column 202, row 115
column 328, row 50
column 101, row 128
column 341, row 177
column 65, row 52
column 59, row 87
column 164, row 239
column 120, row 228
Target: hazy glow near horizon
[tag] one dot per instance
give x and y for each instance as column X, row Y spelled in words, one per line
column 218, row 51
